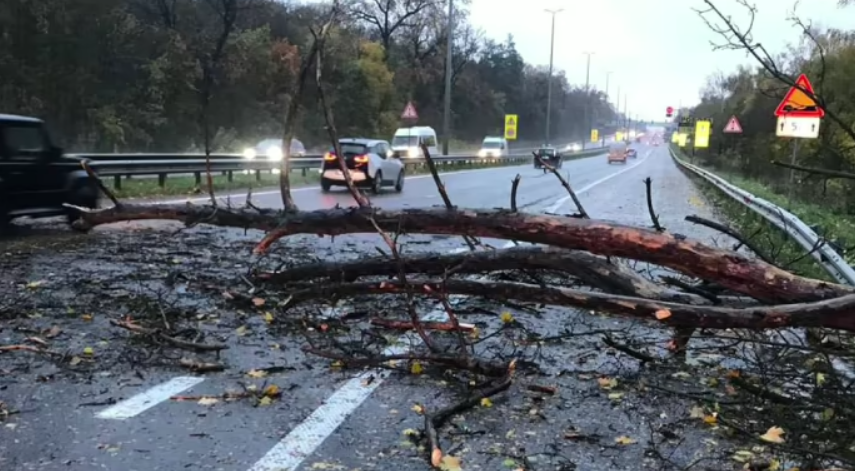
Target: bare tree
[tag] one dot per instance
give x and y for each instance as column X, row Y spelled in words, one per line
column 386, row 17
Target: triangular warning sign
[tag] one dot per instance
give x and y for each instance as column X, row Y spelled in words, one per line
column 733, row 126
column 409, row 111
column 511, row 121
column 797, row 103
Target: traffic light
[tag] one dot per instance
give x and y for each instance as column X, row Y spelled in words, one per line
column 669, row 112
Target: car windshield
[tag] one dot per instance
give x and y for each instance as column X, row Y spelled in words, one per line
column 546, row 151
column 350, row 149
column 491, row 145
column 405, row 141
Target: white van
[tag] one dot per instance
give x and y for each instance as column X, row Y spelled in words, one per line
column 493, row 147
column 407, row 141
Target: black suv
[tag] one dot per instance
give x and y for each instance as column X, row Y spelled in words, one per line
column 36, row 179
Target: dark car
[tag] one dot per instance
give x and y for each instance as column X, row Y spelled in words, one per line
column 631, row 153
column 36, row 179
column 548, row 155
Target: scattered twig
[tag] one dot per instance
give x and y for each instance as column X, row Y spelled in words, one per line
column 158, row 334
column 724, row 229
column 470, row 241
column 582, row 213
column 515, row 185
column 653, row 216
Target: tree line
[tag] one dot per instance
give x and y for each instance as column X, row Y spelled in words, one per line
column 171, row 75
column 752, row 93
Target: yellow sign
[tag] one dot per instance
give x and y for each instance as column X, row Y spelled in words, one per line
column 674, row 137
column 681, row 139
column 595, row 135
column 702, row 134
column 511, row 121
column 618, row 136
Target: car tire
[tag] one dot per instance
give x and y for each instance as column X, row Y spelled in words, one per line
column 325, row 186
column 399, row 185
column 377, row 183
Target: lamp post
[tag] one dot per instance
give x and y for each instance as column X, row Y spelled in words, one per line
column 549, row 80
column 446, row 115
column 588, row 125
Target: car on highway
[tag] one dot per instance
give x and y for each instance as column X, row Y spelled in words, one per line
column 547, row 155
column 36, row 179
column 370, row 162
column 272, row 149
column 407, row 142
column 493, row 147
column 631, row 153
column 618, row 152
column 574, row 147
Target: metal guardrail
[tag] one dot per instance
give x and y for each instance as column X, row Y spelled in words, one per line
column 119, row 165
column 800, row 232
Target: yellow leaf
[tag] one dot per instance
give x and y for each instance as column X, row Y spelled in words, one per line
column 662, row 314
column 416, row 368
column 34, row 284
column 624, row 440
column 74, row 361
column 88, row 351
column 272, row 390
column 711, row 419
column 820, row 379
column 268, row 317
column 256, row 373
column 697, row 412
column 507, row 317
column 474, row 333
column 336, row 364
column 773, row 435
column 774, row 465
column 486, row 402
column 616, row 396
column 86, row 317
column 418, row 409
column 607, row 383
column 742, row 456
column 208, row 401
column 257, row 302
column 411, row 432
column 241, row 331
column 265, row 401
column 450, row 463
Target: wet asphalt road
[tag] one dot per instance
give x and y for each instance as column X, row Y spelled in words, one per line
column 53, row 431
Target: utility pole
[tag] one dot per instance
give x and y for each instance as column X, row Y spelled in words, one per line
column 549, row 80
column 587, row 99
column 446, row 115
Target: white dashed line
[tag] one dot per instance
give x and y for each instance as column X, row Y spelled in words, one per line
column 303, row 440
column 145, row 400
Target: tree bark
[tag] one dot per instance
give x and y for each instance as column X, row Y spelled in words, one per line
column 729, row 269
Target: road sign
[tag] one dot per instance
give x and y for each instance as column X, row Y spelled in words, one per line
column 702, row 134
column 733, row 126
column 675, row 136
column 681, row 139
column 409, row 111
column 802, row 127
column 618, row 136
column 511, row 122
column 595, row 135
column 797, row 103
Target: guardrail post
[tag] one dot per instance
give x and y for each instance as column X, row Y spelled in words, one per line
column 230, row 176
column 117, row 182
column 198, row 177
column 304, row 171
column 258, row 175
column 161, row 180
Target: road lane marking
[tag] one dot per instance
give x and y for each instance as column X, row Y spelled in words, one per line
column 149, row 398
column 310, row 434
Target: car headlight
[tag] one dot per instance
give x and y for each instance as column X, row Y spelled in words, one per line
column 413, row 152
column 249, row 153
column 274, row 153
column 482, row 153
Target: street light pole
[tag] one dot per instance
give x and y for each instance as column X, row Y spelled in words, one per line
column 587, row 98
column 446, row 115
column 549, row 80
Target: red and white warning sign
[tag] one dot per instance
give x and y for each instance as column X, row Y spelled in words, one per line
column 409, row 111
column 733, row 126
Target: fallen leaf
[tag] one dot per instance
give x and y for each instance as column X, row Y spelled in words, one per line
column 53, row 332
column 411, row 432
column 607, row 383
column 86, row 317
column 486, row 402
column 616, row 396
column 324, row 327
column 322, row 465
column 37, row 341
column 268, row 317
column 773, row 435
column 416, row 368
column 258, row 302
column 697, row 412
column 208, row 401
column 241, row 331
column 88, row 351
column 711, row 419
column 272, row 390
column 418, row 409
column 228, row 295
column 509, row 463
column 265, row 401
column 507, row 317
column 624, row 440
column 256, row 373
column 662, row 314
column 35, row 284
column 820, row 379
column 774, row 465
column 450, row 463
column 742, row 456
column 74, row 361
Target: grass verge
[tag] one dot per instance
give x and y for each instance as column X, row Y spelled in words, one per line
column 186, row 185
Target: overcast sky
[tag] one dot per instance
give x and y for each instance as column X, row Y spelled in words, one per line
column 659, row 51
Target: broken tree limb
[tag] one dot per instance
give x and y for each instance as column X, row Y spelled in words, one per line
column 837, row 313
column 732, row 270
column 158, row 334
